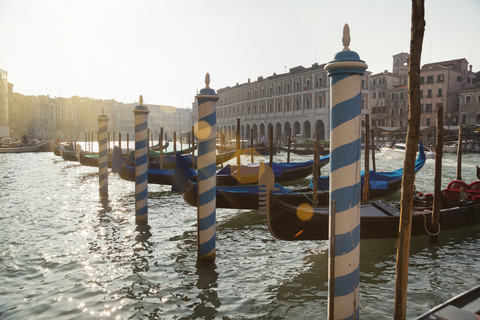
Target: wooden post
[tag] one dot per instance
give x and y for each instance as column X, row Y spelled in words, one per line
column 148, row 147
column 366, row 164
column 128, row 144
column 86, row 141
column 316, row 158
column 373, row 151
column 437, row 192
column 345, row 72
column 141, row 163
column 160, row 142
column 193, row 147
column 206, row 213
column 181, row 140
column 289, row 143
column 175, row 142
column 408, row 178
column 108, row 144
column 103, row 154
column 270, row 133
column 120, row 140
column 459, row 153
column 222, row 144
column 237, row 144
column 251, row 145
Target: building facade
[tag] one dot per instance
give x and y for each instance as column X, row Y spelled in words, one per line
column 4, row 127
column 297, row 102
column 469, row 106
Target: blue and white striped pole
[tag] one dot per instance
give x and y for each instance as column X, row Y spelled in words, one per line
column 206, row 164
column 141, row 163
column 346, row 72
column 103, row 154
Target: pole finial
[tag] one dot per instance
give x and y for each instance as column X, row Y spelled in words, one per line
column 346, row 37
column 141, row 100
column 207, row 80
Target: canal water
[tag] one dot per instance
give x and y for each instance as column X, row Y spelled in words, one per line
column 66, row 254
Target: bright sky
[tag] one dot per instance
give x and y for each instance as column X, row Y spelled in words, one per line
column 119, row 49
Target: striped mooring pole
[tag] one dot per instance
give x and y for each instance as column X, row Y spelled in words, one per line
column 346, row 72
column 206, row 164
column 141, row 163
column 103, row 154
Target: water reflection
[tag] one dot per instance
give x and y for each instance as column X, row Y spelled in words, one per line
column 208, row 295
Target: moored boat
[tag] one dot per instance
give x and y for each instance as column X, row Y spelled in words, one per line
column 465, row 306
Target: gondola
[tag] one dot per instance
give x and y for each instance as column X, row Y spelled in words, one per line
column 228, row 176
column 259, row 149
column 248, row 174
column 246, row 197
column 69, row 155
column 465, row 306
column 381, row 183
column 91, row 159
column 458, row 191
column 290, row 219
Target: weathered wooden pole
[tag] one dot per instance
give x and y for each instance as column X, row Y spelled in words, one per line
column 346, row 72
column 108, row 143
column 271, row 151
column 148, row 148
column 175, row 142
column 289, row 143
column 459, row 153
column 128, row 144
column 193, row 148
column 207, row 128
column 160, row 141
column 237, row 144
column 437, row 186
column 103, row 154
column 86, row 141
column 316, row 158
column 120, row 140
column 373, row 151
column 366, row 164
column 141, row 163
column 251, row 145
column 408, row 178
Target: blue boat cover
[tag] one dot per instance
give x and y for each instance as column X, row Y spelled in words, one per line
column 379, row 180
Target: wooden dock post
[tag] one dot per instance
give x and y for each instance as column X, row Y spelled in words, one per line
column 346, row 72
column 366, row 164
column 437, row 185
column 237, row 146
column 175, row 142
column 289, row 143
column 103, row 154
column 459, row 153
column 408, row 178
column 206, row 210
column 160, row 141
column 251, row 146
column 373, row 151
column 270, row 148
column 316, row 158
column 128, row 144
column 141, row 163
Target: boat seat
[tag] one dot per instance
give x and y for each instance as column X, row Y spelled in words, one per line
column 474, row 186
column 457, row 184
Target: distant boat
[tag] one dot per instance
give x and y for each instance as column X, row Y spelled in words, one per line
column 397, row 151
column 11, row 149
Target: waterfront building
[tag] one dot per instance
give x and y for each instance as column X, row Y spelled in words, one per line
column 296, row 102
column 4, row 127
column 469, row 106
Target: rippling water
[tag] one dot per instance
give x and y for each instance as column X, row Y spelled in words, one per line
column 66, row 254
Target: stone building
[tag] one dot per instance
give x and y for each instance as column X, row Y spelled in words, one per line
column 469, row 106
column 296, row 102
column 4, row 126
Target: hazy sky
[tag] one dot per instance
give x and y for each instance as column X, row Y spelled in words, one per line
column 162, row 49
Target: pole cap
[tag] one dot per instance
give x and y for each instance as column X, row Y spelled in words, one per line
column 140, row 108
column 207, row 93
column 346, row 61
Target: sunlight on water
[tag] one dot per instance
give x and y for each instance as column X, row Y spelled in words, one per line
column 66, row 253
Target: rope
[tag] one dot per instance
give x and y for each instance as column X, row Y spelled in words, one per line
column 425, row 224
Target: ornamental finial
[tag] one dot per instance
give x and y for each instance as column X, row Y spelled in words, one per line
column 207, row 80
column 346, row 37
column 141, row 100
